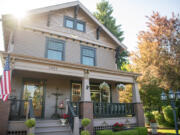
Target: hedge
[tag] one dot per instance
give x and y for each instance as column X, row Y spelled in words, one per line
column 136, row 131
column 104, row 132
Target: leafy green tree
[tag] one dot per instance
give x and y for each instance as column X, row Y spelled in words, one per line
column 104, row 15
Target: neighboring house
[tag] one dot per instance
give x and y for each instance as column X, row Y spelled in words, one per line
column 64, row 51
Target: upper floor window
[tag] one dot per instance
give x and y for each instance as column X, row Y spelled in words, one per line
column 55, row 49
column 74, row 24
column 69, row 23
column 88, row 56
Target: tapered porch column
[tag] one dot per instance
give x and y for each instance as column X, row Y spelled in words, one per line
column 85, row 87
column 86, row 106
column 138, row 106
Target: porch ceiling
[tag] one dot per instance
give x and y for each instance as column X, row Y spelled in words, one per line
column 44, row 65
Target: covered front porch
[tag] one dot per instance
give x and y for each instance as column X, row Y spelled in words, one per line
column 41, row 80
column 50, row 94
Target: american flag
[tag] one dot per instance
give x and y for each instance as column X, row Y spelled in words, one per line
column 5, row 87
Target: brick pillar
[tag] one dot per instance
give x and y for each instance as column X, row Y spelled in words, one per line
column 86, row 111
column 4, row 116
column 139, row 112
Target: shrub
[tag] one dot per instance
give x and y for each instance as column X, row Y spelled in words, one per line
column 160, row 119
column 149, row 116
column 127, row 132
column 85, row 132
column 142, row 130
column 104, row 132
column 85, row 122
column 30, row 123
column 168, row 115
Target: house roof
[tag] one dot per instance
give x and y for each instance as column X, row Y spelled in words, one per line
column 72, row 4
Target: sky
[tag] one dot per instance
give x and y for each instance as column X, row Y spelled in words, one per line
column 131, row 14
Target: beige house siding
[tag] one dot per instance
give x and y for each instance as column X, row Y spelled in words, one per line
column 56, row 23
column 29, row 43
column 34, row 44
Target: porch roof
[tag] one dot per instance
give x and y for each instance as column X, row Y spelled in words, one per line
column 20, row 61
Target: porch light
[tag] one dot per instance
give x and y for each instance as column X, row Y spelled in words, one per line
column 171, row 95
column 178, row 95
column 163, row 96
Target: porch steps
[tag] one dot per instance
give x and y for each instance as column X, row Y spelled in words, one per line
column 51, row 127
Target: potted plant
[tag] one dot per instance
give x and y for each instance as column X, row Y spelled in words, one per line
column 118, row 127
column 120, row 87
column 63, row 119
column 104, row 86
column 153, row 126
column 30, row 123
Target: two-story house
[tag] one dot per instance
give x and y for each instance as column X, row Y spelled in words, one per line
column 63, row 53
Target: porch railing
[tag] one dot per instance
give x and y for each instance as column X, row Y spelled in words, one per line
column 21, row 109
column 75, row 106
column 113, row 109
column 72, row 112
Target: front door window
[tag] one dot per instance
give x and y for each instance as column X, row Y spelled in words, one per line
column 76, row 92
column 34, row 90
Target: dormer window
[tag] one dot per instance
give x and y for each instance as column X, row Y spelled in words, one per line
column 75, row 24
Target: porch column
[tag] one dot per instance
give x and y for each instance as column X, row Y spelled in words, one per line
column 138, row 106
column 86, row 106
column 85, row 87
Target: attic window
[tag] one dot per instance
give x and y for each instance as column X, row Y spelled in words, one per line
column 75, row 24
column 69, row 23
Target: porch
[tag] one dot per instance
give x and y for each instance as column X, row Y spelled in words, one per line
column 41, row 80
column 48, row 91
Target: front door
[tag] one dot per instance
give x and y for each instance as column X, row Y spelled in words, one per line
column 35, row 91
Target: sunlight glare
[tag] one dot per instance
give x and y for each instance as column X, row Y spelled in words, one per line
column 19, row 14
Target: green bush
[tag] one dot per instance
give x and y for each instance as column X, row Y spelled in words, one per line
column 159, row 117
column 127, row 132
column 85, row 122
column 85, row 132
column 149, row 116
column 30, row 123
column 168, row 115
column 104, row 132
column 142, row 130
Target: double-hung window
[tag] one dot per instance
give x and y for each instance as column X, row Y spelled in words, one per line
column 88, row 56
column 55, row 49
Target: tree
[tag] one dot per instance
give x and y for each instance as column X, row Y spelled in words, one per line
column 158, row 54
column 104, row 15
column 158, row 57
